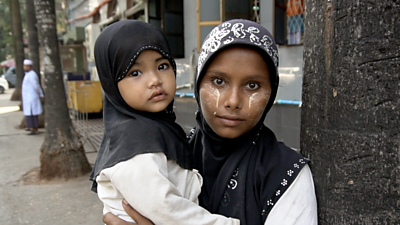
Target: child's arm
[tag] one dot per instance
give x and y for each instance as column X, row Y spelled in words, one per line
column 143, row 181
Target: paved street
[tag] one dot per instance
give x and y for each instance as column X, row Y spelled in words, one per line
column 24, row 202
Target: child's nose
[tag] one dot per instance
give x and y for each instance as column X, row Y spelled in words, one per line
column 154, row 79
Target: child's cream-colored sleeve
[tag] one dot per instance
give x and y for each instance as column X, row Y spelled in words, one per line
column 145, row 183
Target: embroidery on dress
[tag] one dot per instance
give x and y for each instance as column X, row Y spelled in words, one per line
column 233, row 182
column 226, row 199
column 263, row 212
column 284, row 183
column 191, row 133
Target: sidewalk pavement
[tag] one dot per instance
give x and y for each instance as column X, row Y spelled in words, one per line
column 59, row 201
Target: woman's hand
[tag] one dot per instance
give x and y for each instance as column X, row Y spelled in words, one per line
column 111, row 219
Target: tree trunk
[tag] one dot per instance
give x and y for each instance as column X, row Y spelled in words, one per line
column 62, row 153
column 18, row 47
column 350, row 126
column 31, row 23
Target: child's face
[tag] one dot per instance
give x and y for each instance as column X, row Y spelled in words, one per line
column 234, row 91
column 150, row 83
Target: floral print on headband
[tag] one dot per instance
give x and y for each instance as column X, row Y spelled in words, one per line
column 230, row 33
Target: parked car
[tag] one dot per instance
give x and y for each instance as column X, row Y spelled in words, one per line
column 10, row 76
column 3, row 85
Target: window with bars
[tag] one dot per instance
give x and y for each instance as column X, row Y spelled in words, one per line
column 112, row 8
column 289, row 22
column 210, row 13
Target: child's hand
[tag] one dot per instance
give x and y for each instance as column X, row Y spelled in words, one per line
column 111, row 219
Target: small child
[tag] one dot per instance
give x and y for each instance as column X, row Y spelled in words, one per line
column 144, row 156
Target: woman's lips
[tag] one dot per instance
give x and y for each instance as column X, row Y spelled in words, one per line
column 230, row 121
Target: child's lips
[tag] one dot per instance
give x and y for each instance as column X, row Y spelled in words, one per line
column 158, row 95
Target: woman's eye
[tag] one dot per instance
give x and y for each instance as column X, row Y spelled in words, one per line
column 218, row 81
column 134, row 73
column 253, row 86
column 163, row 66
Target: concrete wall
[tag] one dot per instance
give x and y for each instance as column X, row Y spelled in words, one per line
column 284, row 121
column 190, row 26
column 267, row 14
column 291, row 72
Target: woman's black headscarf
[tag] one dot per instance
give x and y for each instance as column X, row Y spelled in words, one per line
column 129, row 132
column 243, row 177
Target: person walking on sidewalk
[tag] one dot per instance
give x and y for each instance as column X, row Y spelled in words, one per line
column 32, row 95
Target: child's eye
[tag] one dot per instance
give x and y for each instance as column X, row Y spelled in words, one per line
column 218, row 81
column 252, row 86
column 163, row 66
column 135, row 73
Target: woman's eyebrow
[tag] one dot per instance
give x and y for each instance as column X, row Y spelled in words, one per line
column 215, row 72
column 249, row 77
column 256, row 76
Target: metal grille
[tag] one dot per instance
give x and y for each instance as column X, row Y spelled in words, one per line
column 90, row 131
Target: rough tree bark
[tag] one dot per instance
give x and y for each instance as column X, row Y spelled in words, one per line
column 18, row 47
column 350, row 125
column 62, row 153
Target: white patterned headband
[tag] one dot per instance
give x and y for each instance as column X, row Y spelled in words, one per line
column 237, row 31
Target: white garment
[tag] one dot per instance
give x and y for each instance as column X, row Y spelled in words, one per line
column 157, row 188
column 31, row 93
column 298, row 205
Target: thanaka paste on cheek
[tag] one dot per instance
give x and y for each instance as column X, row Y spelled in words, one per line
column 251, row 99
column 218, row 94
column 257, row 97
column 214, row 93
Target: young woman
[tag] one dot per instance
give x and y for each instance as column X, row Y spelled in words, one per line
column 247, row 173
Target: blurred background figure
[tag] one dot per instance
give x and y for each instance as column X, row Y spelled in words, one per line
column 32, row 95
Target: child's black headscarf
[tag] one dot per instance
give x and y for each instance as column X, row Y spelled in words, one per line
column 129, row 132
column 243, row 177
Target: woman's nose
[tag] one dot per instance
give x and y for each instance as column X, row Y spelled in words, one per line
column 232, row 100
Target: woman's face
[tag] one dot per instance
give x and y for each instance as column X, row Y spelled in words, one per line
column 234, row 91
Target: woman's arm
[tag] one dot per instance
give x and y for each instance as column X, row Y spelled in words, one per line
column 298, row 205
column 111, row 219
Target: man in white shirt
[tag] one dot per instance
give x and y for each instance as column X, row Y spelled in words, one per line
column 32, row 95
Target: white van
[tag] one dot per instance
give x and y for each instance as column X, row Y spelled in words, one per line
column 3, row 85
